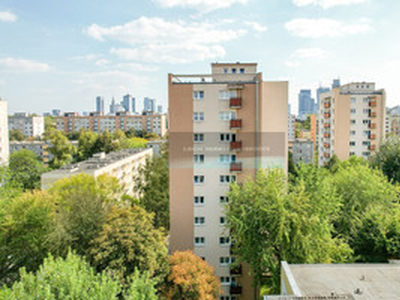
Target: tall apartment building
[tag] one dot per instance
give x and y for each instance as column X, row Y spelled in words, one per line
column 73, row 122
column 123, row 165
column 223, row 127
column 392, row 126
column 100, row 104
column 351, row 121
column 291, row 125
column 306, row 104
column 29, row 125
column 4, row 149
column 320, row 91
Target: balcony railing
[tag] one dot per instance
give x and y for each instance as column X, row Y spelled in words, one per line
column 236, row 270
column 327, row 135
column 327, row 115
column 235, row 289
column 327, row 125
column 236, row 146
column 372, row 147
column 327, row 145
column 236, row 124
column 372, row 114
column 372, row 136
column 326, row 155
column 372, row 103
column 235, row 103
column 236, row 167
column 372, row 125
column 327, row 105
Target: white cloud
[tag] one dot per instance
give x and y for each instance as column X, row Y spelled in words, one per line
column 158, row 40
column 326, row 3
column 88, row 57
column 256, row 26
column 316, row 53
column 6, row 16
column 292, row 64
column 132, row 67
column 201, row 5
column 315, row 28
column 21, row 65
column 102, row 63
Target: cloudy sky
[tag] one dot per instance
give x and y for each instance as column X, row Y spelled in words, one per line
column 62, row 54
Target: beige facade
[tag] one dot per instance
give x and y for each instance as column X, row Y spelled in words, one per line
column 30, row 126
column 122, row 165
column 4, row 149
column 223, row 127
column 351, row 121
column 151, row 123
column 392, row 126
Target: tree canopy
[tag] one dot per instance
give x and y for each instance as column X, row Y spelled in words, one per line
column 387, row 158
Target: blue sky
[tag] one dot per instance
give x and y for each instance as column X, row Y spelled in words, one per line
column 62, row 54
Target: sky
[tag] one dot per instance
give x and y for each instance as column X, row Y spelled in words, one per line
column 62, row 54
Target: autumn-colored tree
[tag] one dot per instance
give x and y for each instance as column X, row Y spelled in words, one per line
column 190, row 278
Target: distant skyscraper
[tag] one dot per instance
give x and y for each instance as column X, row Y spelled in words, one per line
column 320, row 91
column 4, row 147
column 127, row 102
column 100, row 104
column 149, row 105
column 335, row 83
column 306, row 104
column 115, row 107
column 159, row 109
column 133, row 105
column 56, row 112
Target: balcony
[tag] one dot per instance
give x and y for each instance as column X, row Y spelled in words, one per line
column 372, row 104
column 372, row 136
column 372, row 147
column 326, row 155
column 327, row 145
column 327, row 105
column 327, row 135
column 236, row 146
column 236, row 167
column 327, row 115
column 327, row 125
column 236, row 270
column 372, row 125
column 235, row 124
column 372, row 114
column 235, row 289
column 235, row 103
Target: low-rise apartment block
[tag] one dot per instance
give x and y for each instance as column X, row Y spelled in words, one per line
column 351, row 121
column 223, row 127
column 123, row 165
column 303, row 151
column 392, row 126
column 97, row 122
column 29, row 125
column 4, row 149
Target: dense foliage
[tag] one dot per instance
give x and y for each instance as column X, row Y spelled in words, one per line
column 387, row 158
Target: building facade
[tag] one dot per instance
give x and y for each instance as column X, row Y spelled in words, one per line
column 291, row 125
column 392, row 124
column 151, row 123
column 223, row 127
column 303, row 151
column 123, row 165
column 351, row 121
column 4, row 149
column 306, row 104
column 149, row 105
column 30, row 126
column 100, row 104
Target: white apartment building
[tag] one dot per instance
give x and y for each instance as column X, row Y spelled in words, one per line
column 4, row 149
column 351, row 121
column 30, row 126
column 123, row 165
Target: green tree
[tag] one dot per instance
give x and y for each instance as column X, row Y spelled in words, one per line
column 152, row 184
column 49, row 123
column 271, row 221
column 333, row 163
column 190, row 278
column 70, row 278
column 129, row 241
column 83, row 205
column 61, row 148
column 86, row 144
column 387, row 158
column 8, row 188
column 26, row 169
column 26, row 223
column 16, row 135
column 141, row 287
column 106, row 142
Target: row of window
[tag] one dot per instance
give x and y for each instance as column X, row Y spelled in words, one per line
column 365, row 122
column 365, row 100
column 365, row 110
column 223, row 158
column 364, row 143
column 365, row 132
column 200, row 200
column 223, row 116
column 223, row 137
column 202, row 221
column 223, row 94
column 200, row 179
column 366, row 154
column 201, row 241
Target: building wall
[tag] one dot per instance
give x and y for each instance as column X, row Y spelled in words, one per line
column 30, row 126
column 303, row 151
column 4, row 148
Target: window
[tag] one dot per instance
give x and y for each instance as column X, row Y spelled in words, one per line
column 353, row 111
column 198, row 95
column 366, row 121
column 352, row 143
column 241, row 70
column 198, row 200
column 227, row 137
column 198, row 116
column 199, row 158
column 234, row 70
column 366, row 143
column 198, row 179
column 353, row 100
column 199, row 221
column 226, row 260
column 366, row 154
column 365, row 100
column 222, row 221
column 227, row 115
column 223, row 199
column 227, row 94
column 199, row 241
column 226, row 70
column 352, row 122
column 227, row 158
column 224, row 240
column 352, row 132
column 225, row 280
column 198, row 137
column 366, row 132
column 227, row 178
column 352, row 153
column 366, row 110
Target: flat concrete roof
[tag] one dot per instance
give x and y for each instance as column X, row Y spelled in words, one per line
column 362, row 281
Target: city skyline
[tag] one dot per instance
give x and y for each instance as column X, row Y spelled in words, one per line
column 66, row 54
